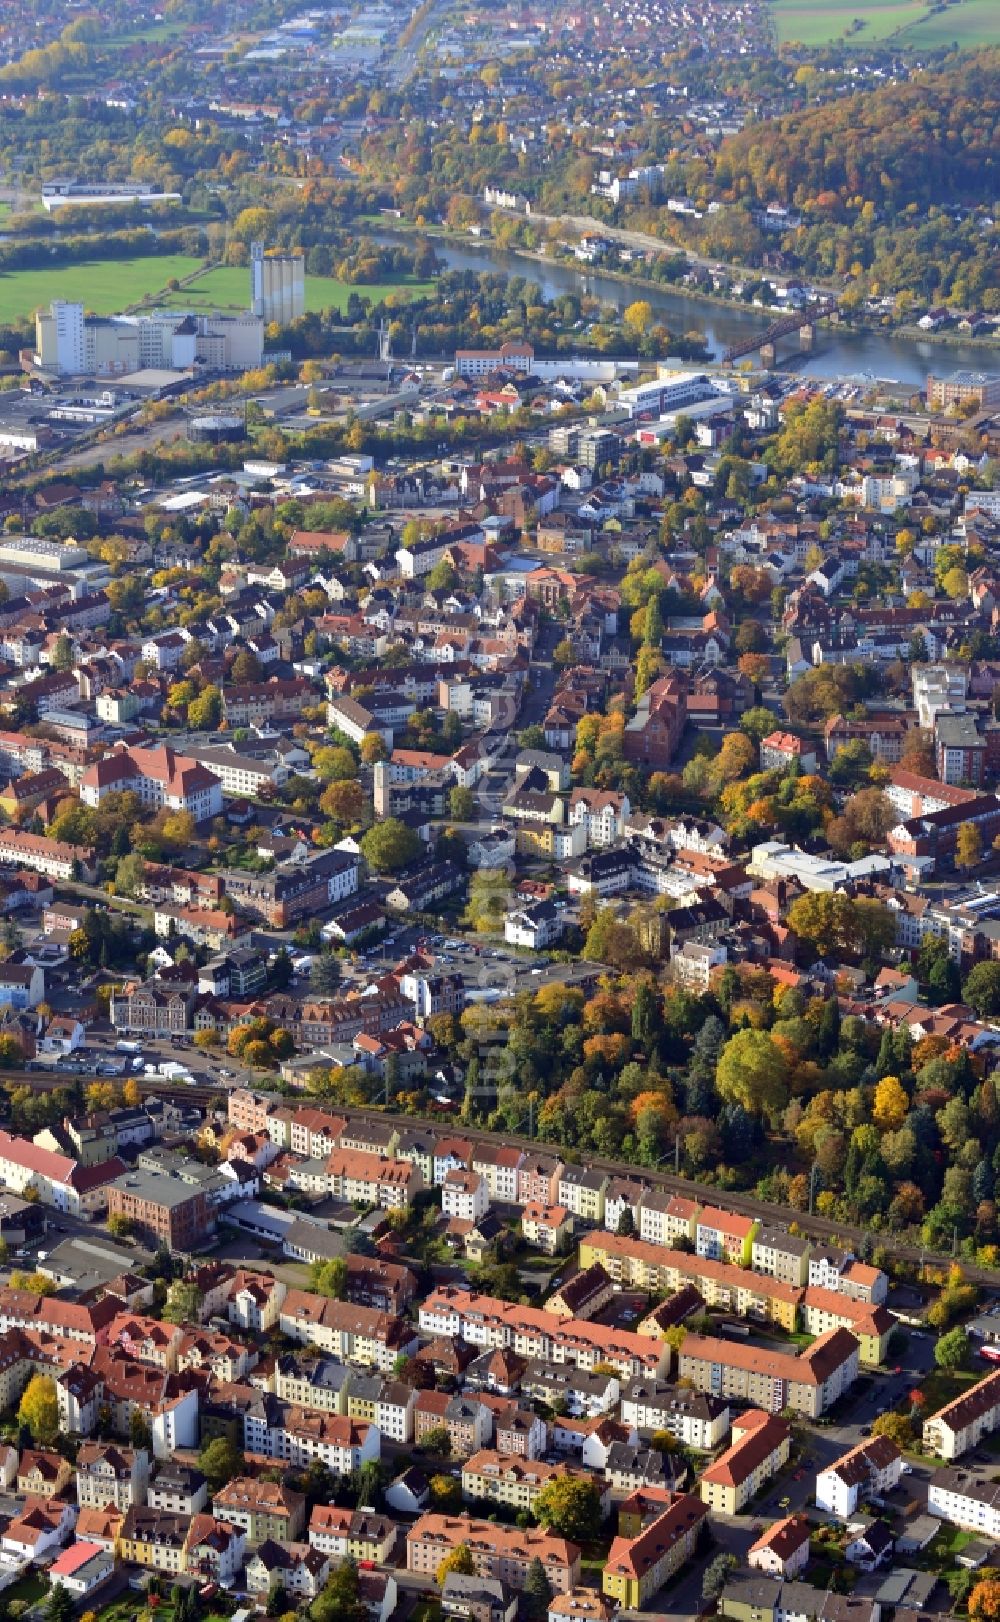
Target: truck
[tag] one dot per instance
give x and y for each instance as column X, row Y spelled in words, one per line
column 128, row 1047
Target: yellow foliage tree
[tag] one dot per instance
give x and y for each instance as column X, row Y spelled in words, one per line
column 891, row 1104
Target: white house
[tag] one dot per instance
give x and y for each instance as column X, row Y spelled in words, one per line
column 465, row 1196
column 965, row 1499
column 81, row 1568
column 602, row 813
column 873, row 1467
column 535, row 927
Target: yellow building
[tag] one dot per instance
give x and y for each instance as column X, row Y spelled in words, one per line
column 871, row 1326
column 499, row 1478
column 154, row 1538
column 637, row 1567
column 761, row 1445
column 637, row 1264
column 362, row 1398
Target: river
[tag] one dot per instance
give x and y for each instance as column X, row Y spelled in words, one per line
column 837, row 352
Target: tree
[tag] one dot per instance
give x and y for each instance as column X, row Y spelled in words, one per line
column 334, row 765
column 638, row 317
column 245, row 668
column 343, row 801
column 59, row 1606
column 570, row 1507
column 753, row 1072
column 968, row 846
column 39, row 1409
column 367, row 1484
column 373, row 749
column 220, row 1460
column 461, row 804
column 330, row 1278
column 182, row 1303
column 340, row 1598
column 734, row 760
column 835, row 923
column 324, row 974
column 952, row 1350
column 139, row 1433
column 281, row 971
column 898, row 1428
column 537, row 1590
column 130, row 875
column 443, row 577
column 437, row 1441
column 891, row 1104
column 982, row 988
column 562, row 653
column 446, row 1494
column 984, row 1601
column 390, row 845
column 750, row 637
column 917, row 754
column 458, row 1560
column 205, row 710
column 61, row 657
column 717, row 1575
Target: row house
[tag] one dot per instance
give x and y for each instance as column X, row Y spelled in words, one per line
column 497, row 1551
column 348, row 1332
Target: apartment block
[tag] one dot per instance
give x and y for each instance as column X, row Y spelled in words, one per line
column 695, row 1418
column 760, row 1446
column 965, row 1499
column 503, row 1552
column 635, row 1263
column 773, row 1381
column 874, row 1466
column 638, row 1565
column 963, row 1423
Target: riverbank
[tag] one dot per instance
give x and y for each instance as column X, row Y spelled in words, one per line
column 470, row 249
column 628, row 278
column 987, row 344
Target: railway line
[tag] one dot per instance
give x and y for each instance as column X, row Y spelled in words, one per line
column 813, row 1226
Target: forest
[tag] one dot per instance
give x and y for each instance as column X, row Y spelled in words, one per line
column 932, row 141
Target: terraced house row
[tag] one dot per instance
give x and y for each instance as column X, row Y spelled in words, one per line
column 483, row 1320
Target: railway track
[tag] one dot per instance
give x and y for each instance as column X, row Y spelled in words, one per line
column 815, row 1227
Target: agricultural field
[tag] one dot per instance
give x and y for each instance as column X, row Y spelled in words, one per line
column 228, row 288
column 967, row 23
column 105, row 286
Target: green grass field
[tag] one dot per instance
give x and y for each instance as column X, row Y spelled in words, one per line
column 104, row 285
column 228, row 287
column 967, row 23
column 155, row 34
column 107, row 286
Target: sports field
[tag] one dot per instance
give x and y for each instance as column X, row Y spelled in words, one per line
column 966, row 23
column 103, row 285
column 228, row 288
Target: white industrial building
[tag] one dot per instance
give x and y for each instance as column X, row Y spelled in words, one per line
column 668, row 392
column 70, row 343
